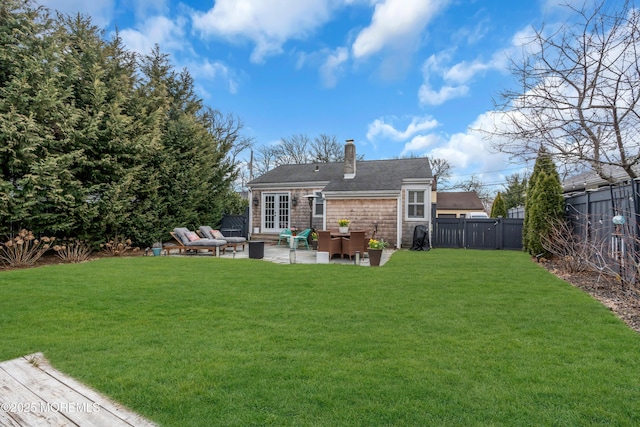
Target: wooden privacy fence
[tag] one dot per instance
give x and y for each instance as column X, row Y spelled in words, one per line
column 591, row 213
column 490, row 233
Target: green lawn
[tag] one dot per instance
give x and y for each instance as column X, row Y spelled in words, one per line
column 447, row 337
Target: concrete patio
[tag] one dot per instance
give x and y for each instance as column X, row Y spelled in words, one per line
column 282, row 255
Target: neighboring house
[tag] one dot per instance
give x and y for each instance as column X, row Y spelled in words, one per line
column 457, row 204
column 590, row 180
column 388, row 197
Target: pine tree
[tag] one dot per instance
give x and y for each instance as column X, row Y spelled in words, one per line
column 499, row 208
column 94, row 143
column 544, row 204
column 514, row 192
column 36, row 118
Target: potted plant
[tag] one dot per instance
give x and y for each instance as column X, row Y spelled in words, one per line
column 156, row 248
column 343, row 225
column 375, row 251
column 314, row 240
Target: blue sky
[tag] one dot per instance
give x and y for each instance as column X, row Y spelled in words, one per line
column 399, row 77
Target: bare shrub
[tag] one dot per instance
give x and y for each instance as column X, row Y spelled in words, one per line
column 577, row 254
column 73, row 250
column 24, row 250
column 118, row 246
column 571, row 252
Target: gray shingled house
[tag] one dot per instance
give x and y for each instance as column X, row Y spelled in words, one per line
column 388, row 197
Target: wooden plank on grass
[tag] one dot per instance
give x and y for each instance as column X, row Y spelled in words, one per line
column 36, row 394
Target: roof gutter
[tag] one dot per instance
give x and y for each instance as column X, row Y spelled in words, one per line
column 374, row 194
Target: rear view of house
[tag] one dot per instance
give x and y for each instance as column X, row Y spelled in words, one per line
column 385, row 197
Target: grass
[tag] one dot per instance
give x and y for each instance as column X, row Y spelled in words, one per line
column 448, row 337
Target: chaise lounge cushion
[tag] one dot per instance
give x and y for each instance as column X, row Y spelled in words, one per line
column 210, row 233
column 182, row 233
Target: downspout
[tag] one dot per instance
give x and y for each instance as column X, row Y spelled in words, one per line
column 250, row 231
column 324, row 211
column 399, row 222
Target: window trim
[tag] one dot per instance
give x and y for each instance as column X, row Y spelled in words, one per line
column 407, row 203
column 319, row 196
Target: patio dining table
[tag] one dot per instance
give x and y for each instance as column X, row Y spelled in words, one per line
column 336, row 233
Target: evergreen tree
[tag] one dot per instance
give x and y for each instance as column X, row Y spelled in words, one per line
column 94, row 143
column 544, row 204
column 498, row 208
column 36, row 118
column 515, row 191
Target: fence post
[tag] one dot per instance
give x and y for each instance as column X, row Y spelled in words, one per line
column 635, row 186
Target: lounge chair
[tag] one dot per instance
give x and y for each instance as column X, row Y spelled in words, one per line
column 284, row 235
column 326, row 243
column 188, row 240
column 232, row 242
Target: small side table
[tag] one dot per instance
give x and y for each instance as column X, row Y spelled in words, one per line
column 256, row 249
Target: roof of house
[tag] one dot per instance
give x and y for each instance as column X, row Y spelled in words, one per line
column 371, row 175
column 462, row 200
column 590, row 179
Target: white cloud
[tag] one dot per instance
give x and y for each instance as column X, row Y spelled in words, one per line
column 471, row 152
column 146, row 7
column 380, row 129
column 215, row 71
column 395, row 24
column 170, row 35
column 454, row 79
column 267, row 23
column 427, row 95
column 468, row 152
column 333, row 66
column 420, row 144
column 101, row 11
column 464, row 71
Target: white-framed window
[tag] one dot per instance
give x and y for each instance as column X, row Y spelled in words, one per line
column 416, row 205
column 318, row 204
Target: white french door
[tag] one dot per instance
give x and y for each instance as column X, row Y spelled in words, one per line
column 275, row 211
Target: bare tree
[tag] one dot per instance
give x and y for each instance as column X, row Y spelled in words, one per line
column 326, row 149
column 298, row 149
column 580, row 87
column 264, row 160
column 441, row 170
column 473, row 184
column 293, row 150
column 227, row 131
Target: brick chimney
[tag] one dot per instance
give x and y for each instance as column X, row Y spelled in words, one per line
column 349, row 160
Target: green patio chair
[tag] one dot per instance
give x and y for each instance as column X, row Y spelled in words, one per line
column 302, row 237
column 284, row 235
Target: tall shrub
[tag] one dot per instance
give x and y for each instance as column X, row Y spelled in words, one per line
column 544, row 204
column 498, row 208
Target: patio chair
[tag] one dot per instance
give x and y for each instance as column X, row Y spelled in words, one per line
column 326, row 243
column 232, row 242
column 284, row 235
column 352, row 244
column 187, row 241
column 302, row 237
